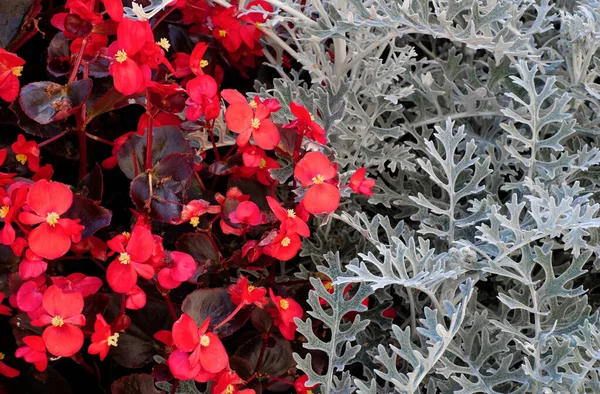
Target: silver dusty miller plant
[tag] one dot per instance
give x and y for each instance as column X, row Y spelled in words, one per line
column 478, row 118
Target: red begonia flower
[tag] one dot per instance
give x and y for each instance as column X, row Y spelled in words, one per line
column 27, row 152
column 300, row 385
column 62, row 315
column 30, row 294
column 227, row 29
column 246, row 213
column 102, row 338
column 113, row 160
column 181, row 267
column 242, row 293
column 257, row 164
column 166, row 337
column 314, row 170
column 136, row 299
column 252, row 250
column 206, row 348
column 197, row 63
column 195, row 209
column 203, row 100
column 94, row 245
column 248, row 122
column 11, row 67
column 11, row 202
column 290, row 222
column 78, row 283
column 31, row 266
column 45, row 172
column 7, row 371
column 4, row 309
column 227, row 383
column 180, row 366
column 34, row 352
column 359, row 184
column 286, row 310
column 122, row 273
column 284, row 246
column 53, row 237
column 305, row 124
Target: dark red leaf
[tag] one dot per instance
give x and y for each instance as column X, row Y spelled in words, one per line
column 134, row 384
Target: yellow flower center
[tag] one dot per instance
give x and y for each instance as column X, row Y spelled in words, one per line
column 253, row 104
column 258, row 25
column 204, row 340
column 113, row 339
column 17, row 71
column 255, row 123
column 21, row 158
column 263, row 164
column 1, row 356
column 4, row 211
column 195, row 221
column 286, row 242
column 203, row 63
column 124, row 258
column 222, row 33
column 57, row 321
column 164, row 44
column 318, row 179
column 127, row 234
column 309, row 392
column 251, row 288
column 284, row 304
column 291, row 213
column 121, row 56
column 328, row 285
column 229, row 389
column 52, row 219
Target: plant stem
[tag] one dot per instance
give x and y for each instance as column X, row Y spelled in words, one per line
column 148, row 132
column 75, row 70
column 52, row 139
column 212, row 139
column 175, row 386
column 231, row 315
column 96, row 138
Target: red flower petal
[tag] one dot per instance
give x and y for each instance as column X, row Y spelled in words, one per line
column 214, row 356
column 146, row 271
column 232, row 96
column 127, row 76
column 50, row 242
column 58, row 303
column 185, row 333
column 140, row 245
column 165, row 279
column 202, row 87
column 180, row 367
column 311, row 165
column 45, row 197
column 63, row 341
column 267, row 135
column 121, row 277
column 322, row 198
column 7, row 371
column 238, row 117
column 114, row 8
column 184, row 266
column 131, row 35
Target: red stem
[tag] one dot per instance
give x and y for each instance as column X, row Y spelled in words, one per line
column 148, row 132
column 162, row 17
column 52, row 139
column 18, row 44
column 75, row 70
column 123, row 300
column 212, row 139
column 167, row 298
column 231, row 315
column 175, row 385
column 96, row 138
column 197, row 176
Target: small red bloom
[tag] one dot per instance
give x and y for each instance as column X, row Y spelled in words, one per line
column 300, row 385
column 11, row 67
column 286, row 310
column 204, row 98
column 62, row 315
column 53, row 237
column 7, row 371
column 181, row 267
column 359, row 184
column 78, row 283
column 102, row 338
column 34, row 352
column 27, row 152
column 313, row 170
column 248, row 122
column 136, row 299
column 94, row 245
column 31, row 266
column 227, row 383
column 11, row 202
column 195, row 209
column 227, row 29
column 290, row 222
column 242, row 293
column 208, row 355
column 258, row 164
column 305, row 124
column 122, row 273
column 246, row 213
column 284, row 246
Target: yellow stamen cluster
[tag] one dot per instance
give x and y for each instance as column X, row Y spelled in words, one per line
column 21, row 158
column 263, row 164
column 255, row 123
column 195, row 221
column 253, row 104
column 4, row 211
column 222, row 33
column 124, row 258
column 1, row 356
column 17, row 71
column 204, row 340
column 164, row 43
column 57, row 321
column 251, row 288
column 328, row 285
column 121, row 56
column 291, row 213
column 127, row 234
column 52, row 219
column 113, row 339
column 203, row 63
column 229, row 389
column 318, row 179
column 284, row 304
column 286, row 242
